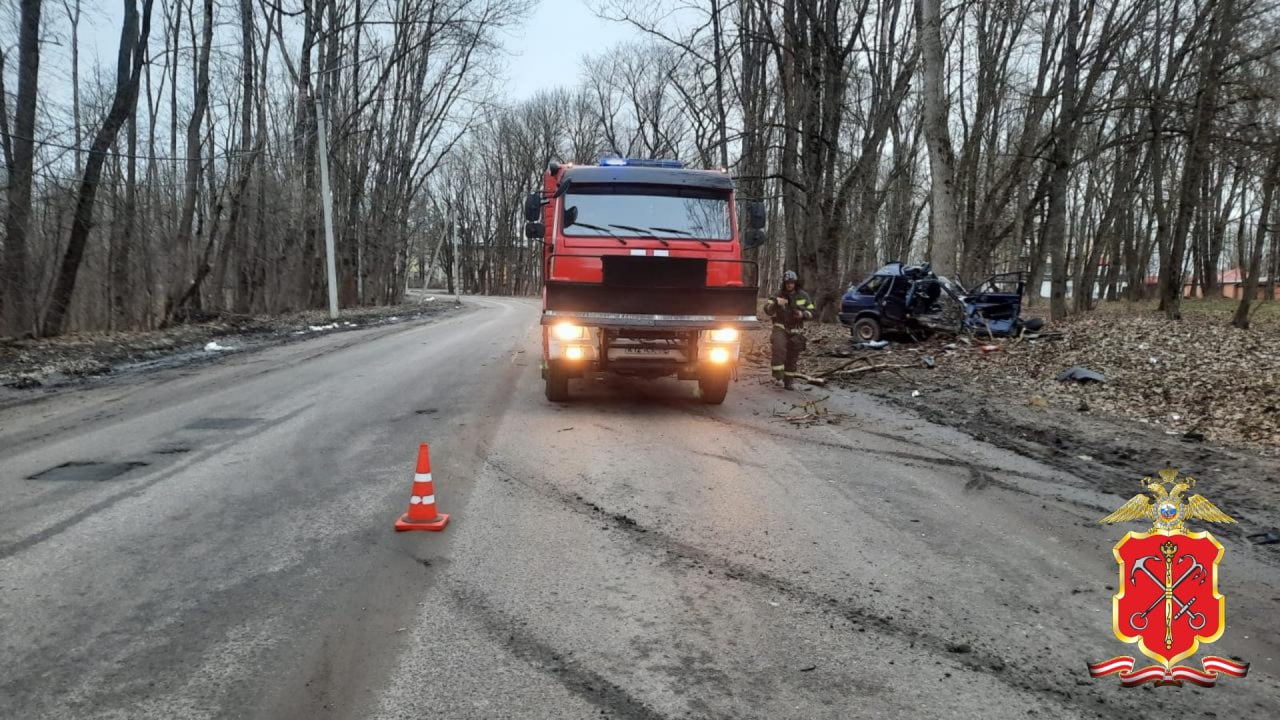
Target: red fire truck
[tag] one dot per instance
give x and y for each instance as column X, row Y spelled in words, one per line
column 642, row 272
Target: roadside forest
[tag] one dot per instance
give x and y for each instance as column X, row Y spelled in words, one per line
column 1110, row 149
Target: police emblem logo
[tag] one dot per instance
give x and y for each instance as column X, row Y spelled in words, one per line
column 1167, row 601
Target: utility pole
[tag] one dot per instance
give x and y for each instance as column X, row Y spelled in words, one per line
column 457, row 264
column 327, row 201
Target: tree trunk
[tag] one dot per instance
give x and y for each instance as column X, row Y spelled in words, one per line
column 183, row 239
column 1249, row 287
column 121, row 289
column 18, row 288
column 1060, row 161
column 938, row 136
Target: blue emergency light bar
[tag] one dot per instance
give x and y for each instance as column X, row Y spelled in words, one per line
column 614, row 161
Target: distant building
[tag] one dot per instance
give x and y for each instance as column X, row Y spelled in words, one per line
column 1230, row 286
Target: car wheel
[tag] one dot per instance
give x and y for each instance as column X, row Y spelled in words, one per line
column 866, row 329
column 557, row 383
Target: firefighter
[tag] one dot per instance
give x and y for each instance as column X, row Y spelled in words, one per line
column 789, row 308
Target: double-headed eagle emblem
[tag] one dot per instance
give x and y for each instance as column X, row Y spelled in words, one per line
column 1167, row 602
column 1168, row 512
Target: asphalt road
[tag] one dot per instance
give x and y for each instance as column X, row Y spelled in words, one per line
column 631, row 554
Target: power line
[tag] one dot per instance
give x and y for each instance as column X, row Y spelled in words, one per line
column 226, row 155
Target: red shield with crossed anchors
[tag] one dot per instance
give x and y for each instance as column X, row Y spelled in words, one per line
column 1168, row 599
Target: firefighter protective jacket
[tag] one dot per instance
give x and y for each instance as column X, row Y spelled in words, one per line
column 791, row 317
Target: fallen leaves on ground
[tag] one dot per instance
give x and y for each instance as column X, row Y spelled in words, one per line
column 1197, row 377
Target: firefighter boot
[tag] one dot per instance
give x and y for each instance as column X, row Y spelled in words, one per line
column 787, row 382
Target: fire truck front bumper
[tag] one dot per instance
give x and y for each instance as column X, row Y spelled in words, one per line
column 633, row 320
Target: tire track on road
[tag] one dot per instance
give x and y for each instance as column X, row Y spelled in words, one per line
column 962, row 652
column 579, row 680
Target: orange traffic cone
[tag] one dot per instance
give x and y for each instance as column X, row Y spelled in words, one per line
column 422, row 513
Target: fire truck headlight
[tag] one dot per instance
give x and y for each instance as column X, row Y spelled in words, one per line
column 569, row 331
column 724, row 335
column 719, row 355
column 574, row 352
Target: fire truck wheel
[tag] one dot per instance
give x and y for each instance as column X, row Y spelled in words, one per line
column 713, row 385
column 557, row 383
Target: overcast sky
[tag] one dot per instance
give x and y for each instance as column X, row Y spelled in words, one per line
column 545, row 52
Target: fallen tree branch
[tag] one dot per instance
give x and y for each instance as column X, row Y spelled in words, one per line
column 811, row 379
column 873, row 368
column 808, row 413
column 838, row 368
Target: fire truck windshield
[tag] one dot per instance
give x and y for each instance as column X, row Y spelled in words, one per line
column 637, row 213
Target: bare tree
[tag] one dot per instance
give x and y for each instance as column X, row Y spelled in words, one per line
column 1253, row 270
column 129, row 60
column 20, row 157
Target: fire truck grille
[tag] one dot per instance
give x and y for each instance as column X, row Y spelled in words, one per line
column 654, row 272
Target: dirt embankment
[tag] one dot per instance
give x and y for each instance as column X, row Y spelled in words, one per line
column 30, row 364
column 1197, row 395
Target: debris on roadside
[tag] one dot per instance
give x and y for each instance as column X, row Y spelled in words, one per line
column 845, row 369
column 871, row 345
column 989, row 348
column 213, row 346
column 811, row 379
column 808, row 413
column 1212, row 379
column 1081, row 374
column 1037, row 401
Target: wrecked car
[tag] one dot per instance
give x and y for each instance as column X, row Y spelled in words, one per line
column 914, row 300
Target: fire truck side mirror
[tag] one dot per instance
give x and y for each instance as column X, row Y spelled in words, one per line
column 535, row 230
column 533, row 207
column 753, row 239
column 756, row 216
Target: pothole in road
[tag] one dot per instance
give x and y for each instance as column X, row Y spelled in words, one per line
column 173, row 450
column 214, row 423
column 426, row 411
column 86, row 471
